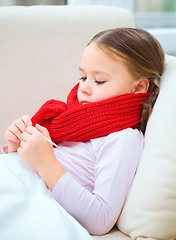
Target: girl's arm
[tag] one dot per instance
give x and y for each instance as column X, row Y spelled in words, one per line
column 117, row 157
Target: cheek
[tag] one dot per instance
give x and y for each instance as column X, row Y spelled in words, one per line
column 102, row 94
column 123, row 87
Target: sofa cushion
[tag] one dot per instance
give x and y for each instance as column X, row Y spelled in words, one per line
column 150, row 209
column 112, row 235
column 41, row 49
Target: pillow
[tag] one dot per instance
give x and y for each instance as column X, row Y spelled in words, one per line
column 150, row 209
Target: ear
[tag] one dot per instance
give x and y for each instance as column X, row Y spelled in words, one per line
column 141, row 85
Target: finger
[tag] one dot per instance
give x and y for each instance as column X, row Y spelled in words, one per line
column 25, row 136
column 12, row 137
column 22, row 144
column 31, row 130
column 15, row 131
column 27, row 121
column 42, row 130
column 19, row 150
column 18, row 123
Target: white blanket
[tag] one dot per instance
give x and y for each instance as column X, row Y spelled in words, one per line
column 27, row 208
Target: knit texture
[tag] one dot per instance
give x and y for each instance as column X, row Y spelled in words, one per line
column 76, row 122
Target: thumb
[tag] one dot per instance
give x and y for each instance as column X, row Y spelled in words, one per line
column 42, row 130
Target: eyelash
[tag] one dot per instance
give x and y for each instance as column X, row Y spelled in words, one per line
column 99, row 82
column 96, row 81
column 83, row 78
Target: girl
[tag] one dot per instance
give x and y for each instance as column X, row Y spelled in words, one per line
column 99, row 131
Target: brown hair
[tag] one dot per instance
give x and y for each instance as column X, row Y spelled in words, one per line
column 143, row 55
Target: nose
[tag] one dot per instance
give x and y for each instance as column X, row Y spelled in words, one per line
column 85, row 87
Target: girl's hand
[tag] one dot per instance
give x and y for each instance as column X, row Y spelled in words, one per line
column 13, row 133
column 34, row 148
column 38, row 153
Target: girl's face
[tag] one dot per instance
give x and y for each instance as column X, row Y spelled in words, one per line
column 101, row 77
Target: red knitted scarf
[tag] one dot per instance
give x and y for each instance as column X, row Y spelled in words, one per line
column 76, row 122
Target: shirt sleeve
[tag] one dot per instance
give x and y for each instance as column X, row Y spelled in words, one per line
column 117, row 157
column 4, row 148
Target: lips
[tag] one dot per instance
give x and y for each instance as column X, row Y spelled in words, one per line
column 84, row 102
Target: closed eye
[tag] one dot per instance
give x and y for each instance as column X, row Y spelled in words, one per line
column 83, row 78
column 99, row 82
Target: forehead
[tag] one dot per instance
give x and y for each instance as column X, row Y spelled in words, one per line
column 92, row 50
column 94, row 56
column 96, row 60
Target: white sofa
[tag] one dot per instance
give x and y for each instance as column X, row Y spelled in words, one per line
column 40, row 51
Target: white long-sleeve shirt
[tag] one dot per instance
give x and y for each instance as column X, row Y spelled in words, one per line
column 98, row 178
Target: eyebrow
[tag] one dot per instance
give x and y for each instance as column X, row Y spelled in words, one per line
column 95, row 71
